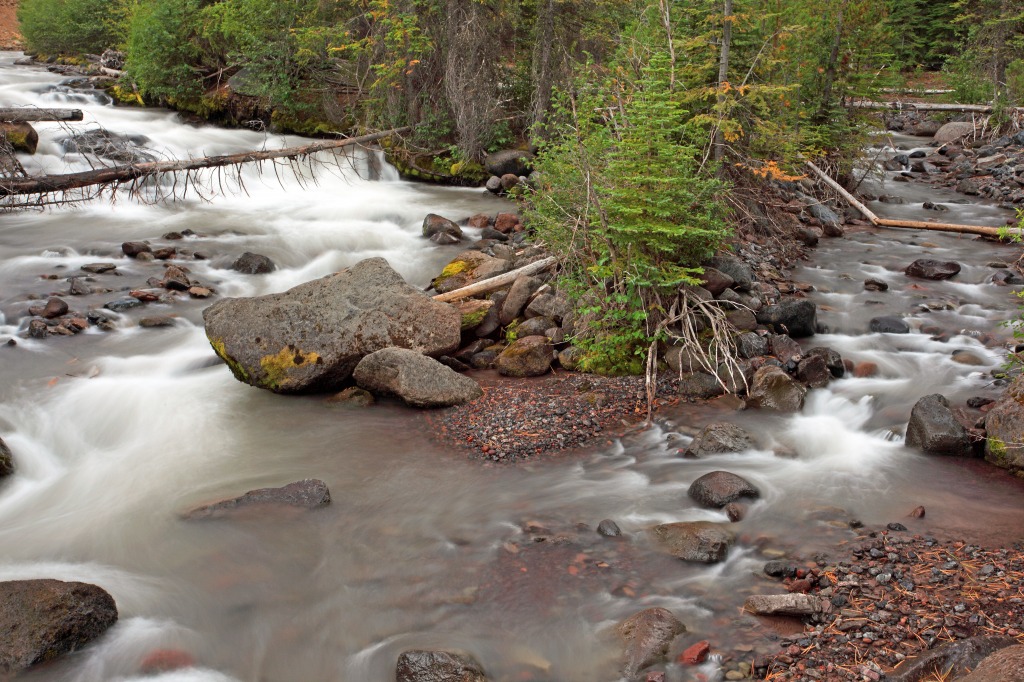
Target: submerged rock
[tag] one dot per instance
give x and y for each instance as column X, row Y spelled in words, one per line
column 41, row 620
column 310, row 338
column 935, row 429
column 417, row 380
column 718, row 438
column 438, row 666
column 889, row 324
column 310, row 493
column 696, row 541
column 648, row 636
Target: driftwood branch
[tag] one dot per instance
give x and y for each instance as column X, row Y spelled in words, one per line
column 494, row 283
column 996, row 232
column 114, row 174
column 28, row 114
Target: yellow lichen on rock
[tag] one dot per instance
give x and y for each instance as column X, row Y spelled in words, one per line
column 277, row 367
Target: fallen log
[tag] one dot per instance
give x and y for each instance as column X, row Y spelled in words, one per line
column 117, row 174
column 494, row 283
column 994, row 232
column 30, row 114
column 897, row 105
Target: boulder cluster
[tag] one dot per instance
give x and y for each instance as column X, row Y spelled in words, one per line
column 963, row 160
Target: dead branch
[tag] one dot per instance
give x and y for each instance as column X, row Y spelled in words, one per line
column 138, row 171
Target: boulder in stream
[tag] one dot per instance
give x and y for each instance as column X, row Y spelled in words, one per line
column 718, row 488
column 417, row 380
column 310, row 493
column 41, row 620
column 468, row 268
column 927, row 268
column 420, row 665
column 888, row 324
column 250, row 263
column 311, row 337
column 697, row 541
column 934, row 428
column 773, row 389
column 953, row 131
column 647, row 636
column 718, row 438
column 434, row 225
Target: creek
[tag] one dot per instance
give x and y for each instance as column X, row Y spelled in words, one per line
column 116, row 434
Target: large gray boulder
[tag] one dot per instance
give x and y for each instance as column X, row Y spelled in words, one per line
column 509, row 161
column 773, row 389
column 935, row 429
column 438, row 666
column 1005, row 665
column 719, row 488
column 43, row 619
column 310, row 338
column 798, row 605
column 953, row 131
column 718, row 438
column 697, row 541
column 647, row 636
column 1004, row 424
column 414, row 378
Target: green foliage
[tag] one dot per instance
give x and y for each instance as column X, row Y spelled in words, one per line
column 628, row 199
column 71, row 26
column 163, row 50
column 992, row 34
column 923, row 33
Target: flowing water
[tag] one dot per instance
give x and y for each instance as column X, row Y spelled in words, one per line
column 117, row 433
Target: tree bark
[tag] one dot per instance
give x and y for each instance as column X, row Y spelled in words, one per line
column 115, row 174
column 29, row 114
column 543, row 78
column 723, row 74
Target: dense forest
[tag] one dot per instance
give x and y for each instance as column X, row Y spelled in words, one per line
column 645, row 114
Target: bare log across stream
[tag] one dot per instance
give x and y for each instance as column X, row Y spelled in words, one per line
column 898, row 105
column 994, row 232
column 127, row 173
column 30, row 114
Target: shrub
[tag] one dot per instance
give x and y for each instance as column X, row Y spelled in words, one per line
column 71, row 26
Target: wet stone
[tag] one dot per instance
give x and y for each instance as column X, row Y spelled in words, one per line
column 609, row 529
column 99, row 268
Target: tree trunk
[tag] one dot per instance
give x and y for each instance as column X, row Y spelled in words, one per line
column 29, row 114
column 723, row 75
column 543, row 76
column 832, row 66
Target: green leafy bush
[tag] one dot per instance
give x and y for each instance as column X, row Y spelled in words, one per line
column 163, row 50
column 71, row 26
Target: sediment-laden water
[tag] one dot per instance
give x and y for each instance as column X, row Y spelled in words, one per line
column 117, row 433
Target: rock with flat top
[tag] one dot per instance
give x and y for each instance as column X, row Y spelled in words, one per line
column 697, row 541
column 799, row 605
